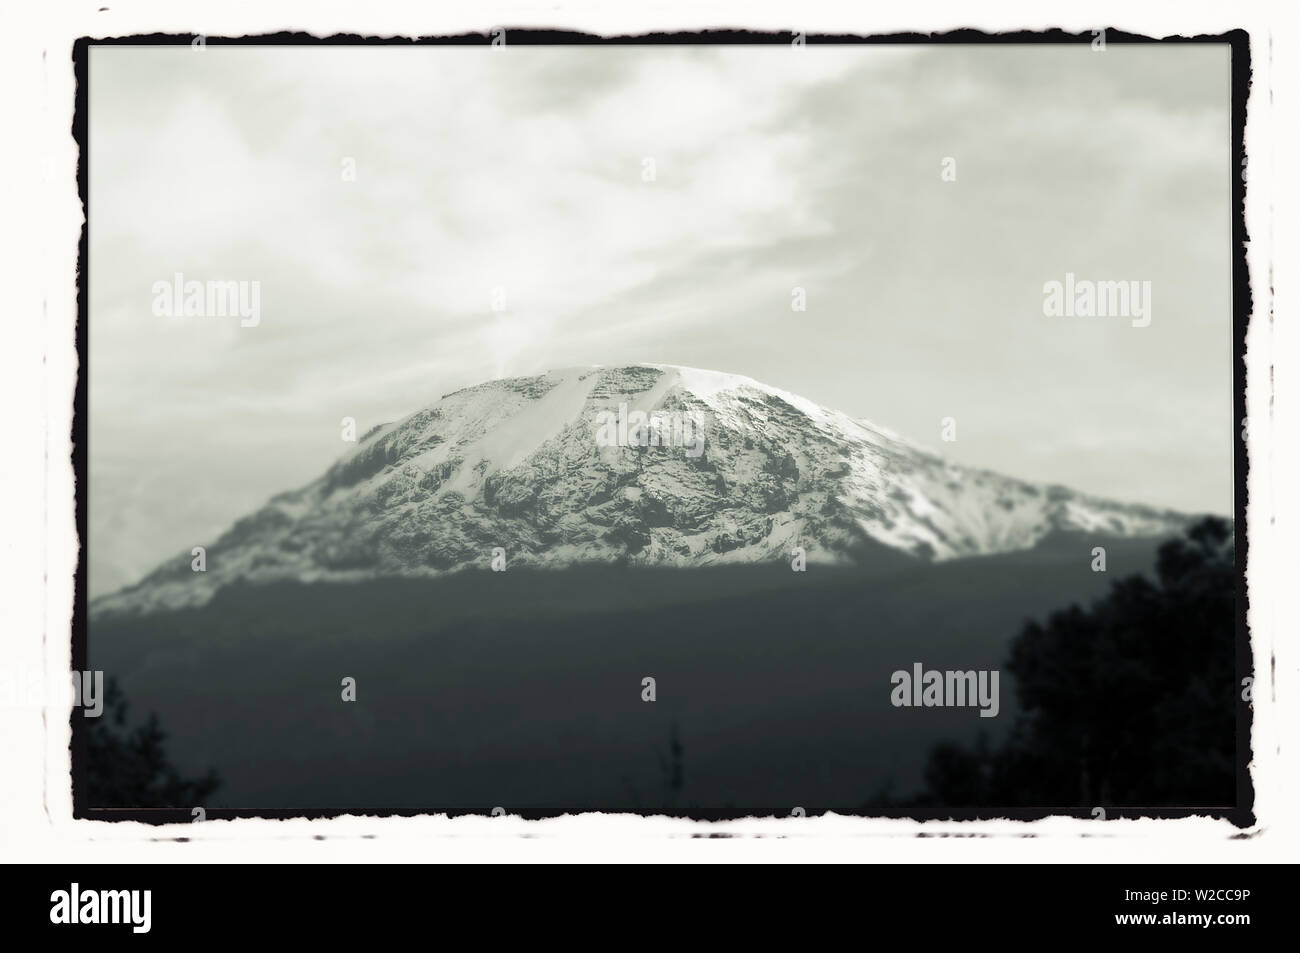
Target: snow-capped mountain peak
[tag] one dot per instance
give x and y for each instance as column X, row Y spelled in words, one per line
column 644, row 464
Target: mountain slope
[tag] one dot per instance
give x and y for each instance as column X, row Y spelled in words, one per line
column 523, row 464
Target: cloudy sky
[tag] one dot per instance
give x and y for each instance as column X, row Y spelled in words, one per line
column 521, row 169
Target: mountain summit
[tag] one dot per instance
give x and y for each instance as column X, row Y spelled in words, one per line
column 643, row 465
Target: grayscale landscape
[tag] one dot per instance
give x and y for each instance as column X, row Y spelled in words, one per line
column 634, row 428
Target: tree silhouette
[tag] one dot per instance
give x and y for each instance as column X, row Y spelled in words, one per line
column 1129, row 703
column 129, row 767
column 672, row 769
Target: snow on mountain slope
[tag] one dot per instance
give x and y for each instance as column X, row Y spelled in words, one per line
column 519, row 464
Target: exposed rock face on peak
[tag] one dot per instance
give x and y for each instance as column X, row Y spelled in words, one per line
column 647, row 465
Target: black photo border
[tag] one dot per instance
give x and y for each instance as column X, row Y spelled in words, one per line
column 1240, row 815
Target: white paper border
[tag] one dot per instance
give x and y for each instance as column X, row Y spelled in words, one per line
column 42, row 219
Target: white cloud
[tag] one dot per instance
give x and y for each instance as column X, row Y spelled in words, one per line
column 521, row 170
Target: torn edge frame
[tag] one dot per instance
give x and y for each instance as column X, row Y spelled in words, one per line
column 1240, row 815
